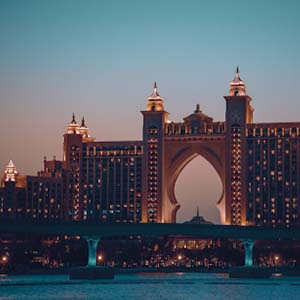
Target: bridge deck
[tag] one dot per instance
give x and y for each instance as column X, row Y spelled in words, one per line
column 149, row 229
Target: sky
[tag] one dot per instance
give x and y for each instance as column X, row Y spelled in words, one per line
column 99, row 59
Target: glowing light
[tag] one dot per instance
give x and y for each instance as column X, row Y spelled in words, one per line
column 10, row 172
column 179, row 257
column 100, row 257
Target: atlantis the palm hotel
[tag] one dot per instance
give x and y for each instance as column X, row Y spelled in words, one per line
column 133, row 181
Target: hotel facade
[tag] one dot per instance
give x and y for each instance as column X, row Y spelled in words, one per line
column 133, row 181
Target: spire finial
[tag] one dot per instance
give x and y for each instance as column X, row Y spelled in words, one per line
column 73, row 119
column 155, row 93
column 11, row 164
column 237, row 75
column 197, row 108
column 197, row 211
column 83, row 122
column 155, row 89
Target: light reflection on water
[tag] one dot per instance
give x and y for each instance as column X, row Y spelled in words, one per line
column 146, row 286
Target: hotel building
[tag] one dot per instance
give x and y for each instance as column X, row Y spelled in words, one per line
column 133, row 181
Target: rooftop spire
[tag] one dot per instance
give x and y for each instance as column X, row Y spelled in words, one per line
column 10, row 172
column 155, row 102
column 83, row 130
column 11, row 164
column 237, row 85
column 155, row 93
column 197, row 211
column 237, row 78
column 73, row 126
column 83, row 122
column 73, row 119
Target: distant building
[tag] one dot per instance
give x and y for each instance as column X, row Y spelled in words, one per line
column 31, row 197
column 134, row 181
column 12, row 193
column 197, row 219
column 194, row 242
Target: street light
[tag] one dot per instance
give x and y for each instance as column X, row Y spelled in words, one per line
column 276, row 260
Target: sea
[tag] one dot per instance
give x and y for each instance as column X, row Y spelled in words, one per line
column 149, row 286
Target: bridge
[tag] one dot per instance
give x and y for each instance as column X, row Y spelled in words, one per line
column 93, row 232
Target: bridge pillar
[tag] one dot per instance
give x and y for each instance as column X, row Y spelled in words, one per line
column 92, row 250
column 92, row 271
column 248, row 246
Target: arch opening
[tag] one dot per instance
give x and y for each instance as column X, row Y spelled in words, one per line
column 198, row 185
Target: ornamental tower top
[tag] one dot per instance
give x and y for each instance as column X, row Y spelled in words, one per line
column 10, row 172
column 237, row 85
column 155, row 102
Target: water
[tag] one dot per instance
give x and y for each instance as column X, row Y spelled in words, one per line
column 161, row 286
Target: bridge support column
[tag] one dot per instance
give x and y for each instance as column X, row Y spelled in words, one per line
column 248, row 246
column 92, row 250
column 249, row 270
column 91, row 270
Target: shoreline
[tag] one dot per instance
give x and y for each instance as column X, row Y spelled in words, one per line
column 286, row 271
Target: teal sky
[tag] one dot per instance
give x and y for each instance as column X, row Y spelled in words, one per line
column 100, row 59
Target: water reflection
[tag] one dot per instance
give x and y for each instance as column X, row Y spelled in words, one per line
column 148, row 286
